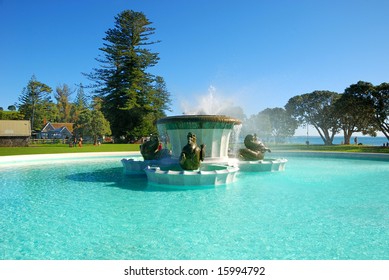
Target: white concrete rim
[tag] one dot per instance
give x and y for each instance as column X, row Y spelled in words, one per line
column 75, row 156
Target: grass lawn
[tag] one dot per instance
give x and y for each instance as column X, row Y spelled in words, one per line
column 332, row 148
column 63, row 148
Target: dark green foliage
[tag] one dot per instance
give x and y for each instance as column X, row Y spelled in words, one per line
column 12, row 108
column 355, row 112
column 11, row 115
column 35, row 103
column 91, row 123
column 79, row 105
column 379, row 98
column 81, row 100
column 131, row 96
column 316, row 109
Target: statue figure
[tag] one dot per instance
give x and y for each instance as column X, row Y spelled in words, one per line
column 255, row 149
column 192, row 154
column 152, row 149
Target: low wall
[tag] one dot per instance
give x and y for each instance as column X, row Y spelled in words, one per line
column 14, row 141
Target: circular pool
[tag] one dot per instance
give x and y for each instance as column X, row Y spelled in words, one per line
column 323, row 206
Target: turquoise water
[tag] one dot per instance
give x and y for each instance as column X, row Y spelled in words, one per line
column 318, row 208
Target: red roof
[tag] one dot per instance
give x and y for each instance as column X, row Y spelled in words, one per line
column 69, row 126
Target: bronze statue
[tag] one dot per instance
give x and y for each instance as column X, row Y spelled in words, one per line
column 152, row 149
column 192, row 154
column 255, row 149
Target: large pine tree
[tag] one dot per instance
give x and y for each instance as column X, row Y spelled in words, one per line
column 132, row 97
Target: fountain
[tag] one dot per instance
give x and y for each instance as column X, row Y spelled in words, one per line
column 194, row 149
column 180, row 161
column 213, row 133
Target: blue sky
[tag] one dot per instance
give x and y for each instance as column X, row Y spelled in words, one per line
column 252, row 53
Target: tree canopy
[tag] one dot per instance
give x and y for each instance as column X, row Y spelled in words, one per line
column 35, row 102
column 272, row 124
column 133, row 99
column 380, row 100
column 355, row 112
column 316, row 109
column 62, row 95
column 92, row 123
column 12, row 108
column 377, row 97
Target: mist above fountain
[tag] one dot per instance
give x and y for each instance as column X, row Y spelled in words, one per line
column 212, row 103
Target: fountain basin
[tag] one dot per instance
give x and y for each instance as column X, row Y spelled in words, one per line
column 262, row 165
column 208, row 174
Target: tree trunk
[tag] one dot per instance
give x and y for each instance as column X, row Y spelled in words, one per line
column 385, row 130
column 347, row 136
column 328, row 139
column 325, row 136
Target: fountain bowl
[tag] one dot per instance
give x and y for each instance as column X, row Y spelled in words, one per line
column 212, row 130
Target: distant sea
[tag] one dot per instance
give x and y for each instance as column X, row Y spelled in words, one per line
column 365, row 140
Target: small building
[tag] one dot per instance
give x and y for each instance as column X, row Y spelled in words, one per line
column 57, row 131
column 14, row 133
